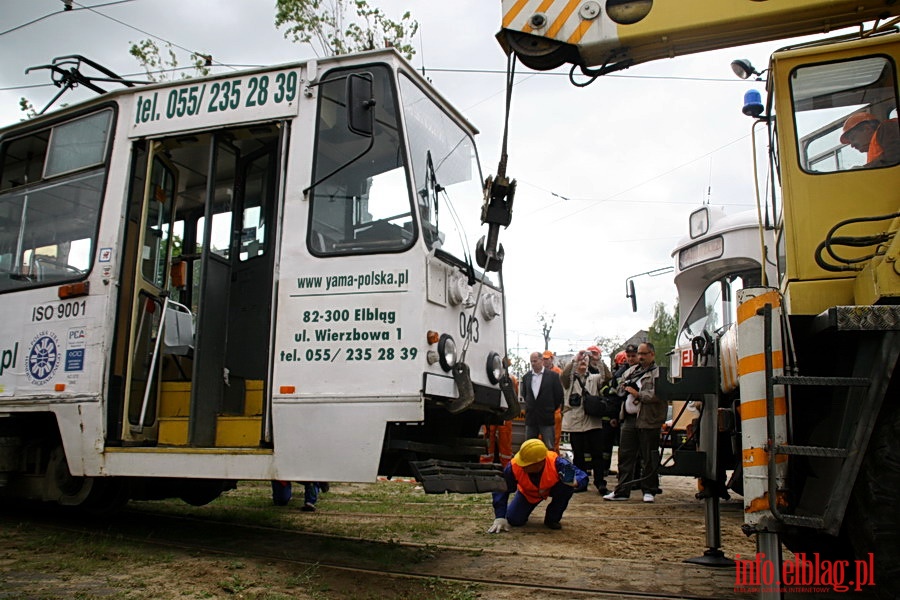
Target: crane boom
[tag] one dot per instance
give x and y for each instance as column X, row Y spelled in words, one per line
column 616, row 34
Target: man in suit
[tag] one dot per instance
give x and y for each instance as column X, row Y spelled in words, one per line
column 542, row 395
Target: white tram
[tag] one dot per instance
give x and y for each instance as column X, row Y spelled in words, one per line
column 252, row 276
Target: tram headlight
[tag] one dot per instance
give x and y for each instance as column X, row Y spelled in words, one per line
column 490, row 306
column 458, row 289
column 447, row 352
column 494, row 368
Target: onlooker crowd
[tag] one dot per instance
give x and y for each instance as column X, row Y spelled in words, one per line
column 557, row 401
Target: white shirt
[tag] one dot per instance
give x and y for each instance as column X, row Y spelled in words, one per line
column 536, row 382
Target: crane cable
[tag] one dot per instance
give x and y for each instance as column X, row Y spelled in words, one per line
column 510, row 76
column 501, row 174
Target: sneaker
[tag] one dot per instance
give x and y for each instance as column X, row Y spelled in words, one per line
column 612, row 496
column 308, row 507
column 649, row 498
column 552, row 524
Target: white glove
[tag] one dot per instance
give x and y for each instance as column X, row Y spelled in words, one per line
column 499, row 525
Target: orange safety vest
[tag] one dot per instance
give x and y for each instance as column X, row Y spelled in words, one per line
column 549, row 478
column 883, row 134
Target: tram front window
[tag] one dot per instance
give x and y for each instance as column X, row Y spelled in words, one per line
column 360, row 206
column 445, row 169
column 712, row 310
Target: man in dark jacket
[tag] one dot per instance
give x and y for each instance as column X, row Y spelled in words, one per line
column 542, row 395
column 643, row 414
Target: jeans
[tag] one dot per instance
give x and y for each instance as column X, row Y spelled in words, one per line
column 519, row 509
column 546, row 432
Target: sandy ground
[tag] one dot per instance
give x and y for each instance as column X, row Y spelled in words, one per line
column 621, row 547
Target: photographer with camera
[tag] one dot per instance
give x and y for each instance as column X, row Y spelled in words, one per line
column 642, row 416
column 585, row 430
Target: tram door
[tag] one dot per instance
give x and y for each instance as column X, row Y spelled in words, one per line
column 205, row 244
column 145, row 269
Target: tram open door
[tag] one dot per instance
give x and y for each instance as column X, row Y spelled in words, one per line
column 199, row 260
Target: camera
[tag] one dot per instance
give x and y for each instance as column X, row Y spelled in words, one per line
column 575, row 400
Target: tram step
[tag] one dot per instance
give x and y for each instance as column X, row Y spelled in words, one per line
column 238, row 432
column 439, row 476
column 231, row 431
column 173, row 431
column 253, row 397
column 175, row 399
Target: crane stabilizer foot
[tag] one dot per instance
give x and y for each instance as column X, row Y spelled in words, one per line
column 712, row 557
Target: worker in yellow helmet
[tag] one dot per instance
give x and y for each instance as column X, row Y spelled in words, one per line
column 535, row 474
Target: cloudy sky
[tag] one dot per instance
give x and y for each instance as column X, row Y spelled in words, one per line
column 607, row 174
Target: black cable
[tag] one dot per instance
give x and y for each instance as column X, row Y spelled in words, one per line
column 510, row 76
column 860, row 241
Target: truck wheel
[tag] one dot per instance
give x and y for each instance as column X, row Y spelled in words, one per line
column 872, row 522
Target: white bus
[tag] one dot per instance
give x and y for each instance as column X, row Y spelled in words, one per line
column 258, row 275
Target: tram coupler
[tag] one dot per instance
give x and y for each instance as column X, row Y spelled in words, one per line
column 463, row 379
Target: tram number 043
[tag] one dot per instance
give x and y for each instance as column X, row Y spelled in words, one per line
column 64, row 310
column 463, row 326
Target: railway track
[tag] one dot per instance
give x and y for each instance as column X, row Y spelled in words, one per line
column 495, row 572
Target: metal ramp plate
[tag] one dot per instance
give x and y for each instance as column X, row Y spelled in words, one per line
column 439, row 476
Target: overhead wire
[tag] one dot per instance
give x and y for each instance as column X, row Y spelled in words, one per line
column 562, row 198
column 33, row 21
column 595, row 202
column 139, row 30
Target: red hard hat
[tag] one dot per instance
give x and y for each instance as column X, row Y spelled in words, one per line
column 621, row 358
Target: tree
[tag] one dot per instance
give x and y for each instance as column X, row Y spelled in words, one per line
column 324, row 25
column 608, row 345
column 27, row 107
column 147, row 53
column 517, row 364
column 663, row 330
column 546, row 322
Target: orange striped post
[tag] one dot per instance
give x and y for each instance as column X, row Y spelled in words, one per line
column 751, row 367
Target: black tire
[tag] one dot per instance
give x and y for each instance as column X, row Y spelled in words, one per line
column 872, row 522
column 200, row 492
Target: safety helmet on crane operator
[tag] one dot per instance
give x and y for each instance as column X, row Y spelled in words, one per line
column 854, row 121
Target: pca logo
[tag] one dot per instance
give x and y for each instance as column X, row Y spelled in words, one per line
column 43, row 358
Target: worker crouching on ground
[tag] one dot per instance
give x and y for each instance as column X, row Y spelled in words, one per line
column 536, row 473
